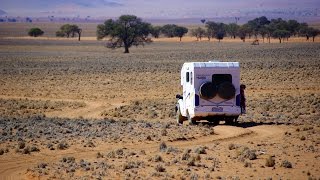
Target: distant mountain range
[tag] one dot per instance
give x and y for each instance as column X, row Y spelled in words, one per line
column 164, row 11
column 2, row 12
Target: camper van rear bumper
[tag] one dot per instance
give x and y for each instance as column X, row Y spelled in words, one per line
column 203, row 111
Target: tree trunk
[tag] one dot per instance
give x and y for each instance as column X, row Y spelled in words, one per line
column 269, row 39
column 313, row 38
column 79, row 33
column 280, row 40
column 307, row 38
column 234, row 36
column 126, row 49
column 180, row 39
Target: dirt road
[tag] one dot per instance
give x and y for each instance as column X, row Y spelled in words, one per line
column 15, row 165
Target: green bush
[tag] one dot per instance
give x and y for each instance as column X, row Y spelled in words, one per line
column 60, row 34
column 35, row 32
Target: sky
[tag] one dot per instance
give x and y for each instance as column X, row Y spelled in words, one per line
column 153, row 8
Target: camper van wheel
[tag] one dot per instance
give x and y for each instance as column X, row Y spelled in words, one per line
column 229, row 121
column 215, row 122
column 179, row 117
column 236, row 119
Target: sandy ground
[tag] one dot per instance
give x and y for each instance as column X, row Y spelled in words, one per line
column 114, row 111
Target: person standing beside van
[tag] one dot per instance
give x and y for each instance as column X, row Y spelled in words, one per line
column 243, row 99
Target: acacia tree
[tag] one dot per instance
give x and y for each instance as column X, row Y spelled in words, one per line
column 220, row 35
column 155, row 31
column 256, row 24
column 198, row 33
column 65, row 30
column 210, row 34
column 180, row 31
column 220, row 31
column 270, row 29
column 242, row 33
column 232, row 29
column 126, row 31
column 68, row 29
column 263, row 31
column 280, row 34
column 303, row 30
column 35, row 32
column 211, row 28
column 293, row 27
column 169, row 30
column 312, row 32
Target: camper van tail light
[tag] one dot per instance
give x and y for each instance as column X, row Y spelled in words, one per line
column 196, row 100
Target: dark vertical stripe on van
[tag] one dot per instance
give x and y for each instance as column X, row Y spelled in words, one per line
column 238, row 99
column 196, row 100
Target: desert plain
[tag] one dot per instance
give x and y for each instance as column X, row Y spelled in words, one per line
column 78, row 110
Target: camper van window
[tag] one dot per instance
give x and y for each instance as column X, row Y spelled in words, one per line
column 187, row 77
column 220, row 78
column 191, row 78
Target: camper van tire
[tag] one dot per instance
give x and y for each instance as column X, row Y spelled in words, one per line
column 226, row 90
column 214, row 122
column 208, row 90
column 232, row 121
column 179, row 117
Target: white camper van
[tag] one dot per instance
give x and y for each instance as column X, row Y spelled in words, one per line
column 211, row 91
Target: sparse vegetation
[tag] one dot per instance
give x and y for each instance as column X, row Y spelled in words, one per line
column 62, row 145
column 1, row 151
column 160, row 168
column 35, row 32
column 246, row 153
column 172, row 30
column 270, row 161
column 132, row 164
column 286, row 164
column 130, row 98
column 232, row 146
column 126, row 31
column 68, row 30
column 163, row 147
column 21, row 145
column 157, row 158
column 276, row 28
column 200, row 150
column 199, row 33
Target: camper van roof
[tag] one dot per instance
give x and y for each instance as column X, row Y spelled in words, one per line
column 216, row 64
